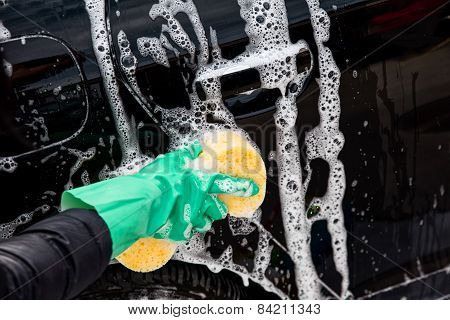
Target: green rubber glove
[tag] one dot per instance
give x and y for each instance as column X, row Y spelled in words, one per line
column 165, row 200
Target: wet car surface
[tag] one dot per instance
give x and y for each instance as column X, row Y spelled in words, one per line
column 393, row 57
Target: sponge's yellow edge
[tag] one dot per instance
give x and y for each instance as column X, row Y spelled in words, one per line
column 147, row 255
column 229, row 152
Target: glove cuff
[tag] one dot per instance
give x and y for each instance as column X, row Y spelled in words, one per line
column 122, row 202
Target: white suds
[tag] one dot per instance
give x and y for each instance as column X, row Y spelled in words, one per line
column 168, row 9
column 132, row 158
column 5, row 34
column 81, row 158
column 7, row 229
column 8, row 165
column 128, row 64
column 152, row 47
column 326, row 142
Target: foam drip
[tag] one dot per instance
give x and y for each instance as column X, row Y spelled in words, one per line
column 166, row 44
column 81, row 158
column 292, row 195
column 132, row 158
column 326, row 141
column 274, row 56
column 128, row 61
column 196, row 252
column 128, row 64
column 5, row 34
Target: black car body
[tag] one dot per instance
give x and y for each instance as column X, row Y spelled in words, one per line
column 395, row 77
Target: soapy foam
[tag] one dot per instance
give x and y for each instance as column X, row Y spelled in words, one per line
column 152, row 47
column 326, row 142
column 7, row 229
column 85, row 178
column 270, row 51
column 195, row 251
column 132, row 158
column 128, row 63
column 81, row 158
column 168, row 9
column 166, row 44
column 8, row 164
column 5, row 34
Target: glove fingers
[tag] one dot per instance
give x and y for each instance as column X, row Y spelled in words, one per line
column 240, row 187
column 215, row 208
column 212, row 209
column 207, row 223
column 192, row 151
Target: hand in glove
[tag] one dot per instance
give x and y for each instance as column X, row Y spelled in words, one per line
column 165, row 200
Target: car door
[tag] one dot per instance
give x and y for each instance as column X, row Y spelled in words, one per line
column 392, row 56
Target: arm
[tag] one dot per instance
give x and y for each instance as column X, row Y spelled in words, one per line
column 56, row 258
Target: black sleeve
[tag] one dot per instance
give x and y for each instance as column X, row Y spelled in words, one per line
column 56, row 258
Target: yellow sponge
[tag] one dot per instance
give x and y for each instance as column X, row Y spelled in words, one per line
column 229, row 152
column 147, row 254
